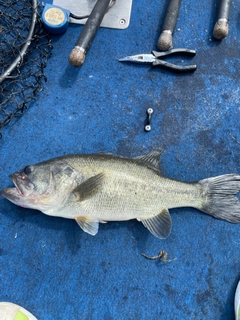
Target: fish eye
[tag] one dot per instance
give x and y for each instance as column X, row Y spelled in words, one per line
column 27, row 170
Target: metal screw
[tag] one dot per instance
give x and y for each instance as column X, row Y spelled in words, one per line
column 148, row 128
column 122, row 21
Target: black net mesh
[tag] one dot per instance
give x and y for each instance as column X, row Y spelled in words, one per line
column 21, row 85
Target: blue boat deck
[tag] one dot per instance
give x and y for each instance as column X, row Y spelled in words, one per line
column 49, row 265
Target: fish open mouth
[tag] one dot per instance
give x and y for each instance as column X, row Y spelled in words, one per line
column 19, row 186
column 22, row 187
column 19, row 194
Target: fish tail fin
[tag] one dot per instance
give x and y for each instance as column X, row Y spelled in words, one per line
column 221, row 199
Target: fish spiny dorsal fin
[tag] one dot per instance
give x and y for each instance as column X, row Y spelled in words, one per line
column 151, row 159
column 161, row 225
column 88, row 188
column 89, row 225
column 110, row 155
column 103, row 153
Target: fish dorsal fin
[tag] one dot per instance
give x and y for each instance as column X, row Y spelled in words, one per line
column 89, row 225
column 151, row 159
column 88, row 188
column 104, row 153
column 160, row 225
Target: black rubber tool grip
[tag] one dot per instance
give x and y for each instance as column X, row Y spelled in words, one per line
column 220, row 30
column 169, row 24
column 89, row 31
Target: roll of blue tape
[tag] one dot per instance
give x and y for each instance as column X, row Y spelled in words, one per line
column 55, row 19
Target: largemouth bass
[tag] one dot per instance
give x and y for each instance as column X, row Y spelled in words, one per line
column 104, row 187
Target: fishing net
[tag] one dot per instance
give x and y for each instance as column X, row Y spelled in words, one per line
column 24, row 50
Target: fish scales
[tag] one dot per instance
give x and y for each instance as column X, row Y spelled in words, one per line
column 132, row 190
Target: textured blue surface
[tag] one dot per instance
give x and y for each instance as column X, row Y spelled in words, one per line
column 54, row 269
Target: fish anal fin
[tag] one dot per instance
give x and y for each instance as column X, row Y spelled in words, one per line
column 89, row 225
column 89, row 187
column 151, row 159
column 161, row 225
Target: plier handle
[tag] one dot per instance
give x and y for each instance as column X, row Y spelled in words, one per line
column 157, row 62
column 156, row 59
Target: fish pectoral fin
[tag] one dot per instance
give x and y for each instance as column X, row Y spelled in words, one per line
column 160, row 225
column 89, row 225
column 88, row 188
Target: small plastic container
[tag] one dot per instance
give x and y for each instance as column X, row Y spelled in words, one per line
column 55, row 19
column 11, row 311
column 237, row 302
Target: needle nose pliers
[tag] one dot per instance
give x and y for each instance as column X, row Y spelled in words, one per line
column 155, row 59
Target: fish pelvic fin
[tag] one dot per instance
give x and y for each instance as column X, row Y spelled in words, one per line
column 152, row 159
column 89, row 225
column 219, row 197
column 88, row 188
column 161, row 225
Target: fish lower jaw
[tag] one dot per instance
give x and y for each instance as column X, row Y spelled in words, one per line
column 18, row 191
column 8, row 192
